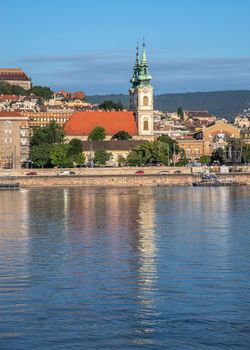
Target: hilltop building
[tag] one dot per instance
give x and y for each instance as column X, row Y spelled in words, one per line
column 62, row 98
column 15, row 76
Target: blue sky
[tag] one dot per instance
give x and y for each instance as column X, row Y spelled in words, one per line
column 192, row 45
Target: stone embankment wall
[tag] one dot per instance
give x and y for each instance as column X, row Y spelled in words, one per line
column 118, row 180
column 118, row 171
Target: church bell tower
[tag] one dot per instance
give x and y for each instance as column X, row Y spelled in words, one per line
column 141, row 96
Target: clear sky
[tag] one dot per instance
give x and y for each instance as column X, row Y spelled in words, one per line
column 192, row 45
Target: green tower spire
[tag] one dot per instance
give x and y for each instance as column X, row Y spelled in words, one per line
column 144, row 57
column 144, row 75
column 135, row 78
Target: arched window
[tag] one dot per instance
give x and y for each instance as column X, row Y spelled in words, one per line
column 145, row 125
column 145, row 100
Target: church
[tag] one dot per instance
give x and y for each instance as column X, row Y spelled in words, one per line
column 138, row 121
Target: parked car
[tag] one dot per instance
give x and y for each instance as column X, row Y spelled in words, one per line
column 163, row 172
column 66, row 173
column 177, row 172
column 31, row 173
column 139, row 172
column 7, row 166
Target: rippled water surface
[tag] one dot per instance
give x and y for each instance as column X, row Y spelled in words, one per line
column 125, row 268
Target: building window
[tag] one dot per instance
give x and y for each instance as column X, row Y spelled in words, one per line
column 145, row 100
column 145, row 125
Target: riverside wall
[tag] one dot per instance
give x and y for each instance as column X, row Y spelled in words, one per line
column 154, row 170
column 122, row 180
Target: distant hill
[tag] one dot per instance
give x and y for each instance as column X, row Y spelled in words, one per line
column 223, row 104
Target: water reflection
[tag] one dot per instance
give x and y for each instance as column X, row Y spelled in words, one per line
column 102, row 268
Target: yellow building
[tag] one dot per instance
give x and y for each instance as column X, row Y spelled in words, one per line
column 45, row 118
column 206, row 140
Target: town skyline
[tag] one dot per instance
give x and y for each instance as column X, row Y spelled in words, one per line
column 191, row 45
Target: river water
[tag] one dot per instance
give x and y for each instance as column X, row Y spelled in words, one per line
column 125, row 268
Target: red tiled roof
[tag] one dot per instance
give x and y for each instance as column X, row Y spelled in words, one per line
column 199, row 114
column 82, row 123
column 78, row 94
column 12, row 74
column 10, row 114
column 9, row 97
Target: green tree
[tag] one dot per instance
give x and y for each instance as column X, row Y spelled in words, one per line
column 205, row 159
column 40, row 155
column 121, row 161
column 180, row 113
column 122, row 135
column 59, row 155
column 172, row 144
column 76, row 146
column 78, row 159
column 7, row 89
column 155, row 152
column 182, row 161
column 97, row 134
column 235, row 150
column 135, row 157
column 110, row 105
column 246, row 153
column 101, row 157
column 51, row 133
column 218, row 155
column 42, row 91
column 75, row 152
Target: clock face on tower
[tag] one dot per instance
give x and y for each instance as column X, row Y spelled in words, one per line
column 145, row 90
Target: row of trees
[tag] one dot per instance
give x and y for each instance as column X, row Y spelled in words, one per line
column 161, row 151
column 48, row 148
column 237, row 151
column 109, row 105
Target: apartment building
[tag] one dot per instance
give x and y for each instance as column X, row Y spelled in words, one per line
column 14, row 140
